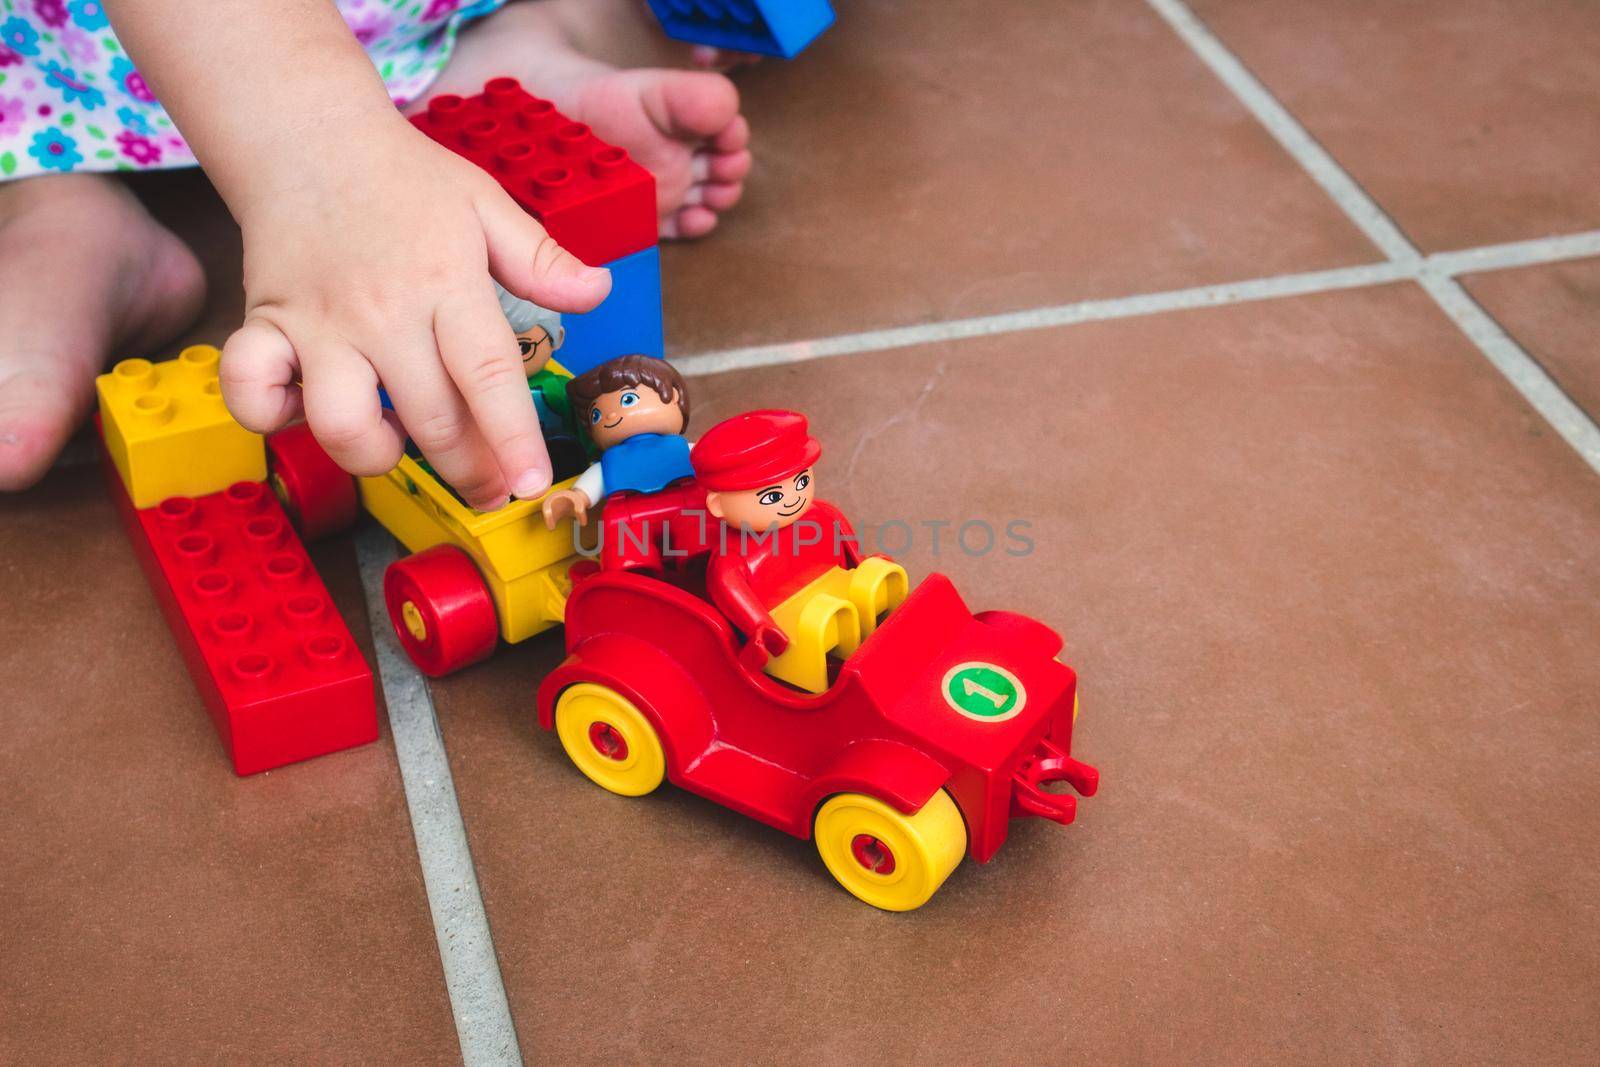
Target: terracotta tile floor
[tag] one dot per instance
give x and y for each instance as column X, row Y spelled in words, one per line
column 1471, row 122
column 1328, row 575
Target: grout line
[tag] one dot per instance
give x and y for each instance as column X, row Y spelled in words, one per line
column 1516, row 254
column 1489, row 257
column 1296, row 140
column 471, row 971
column 1521, row 370
column 1530, row 379
column 1041, row 318
column 1532, row 253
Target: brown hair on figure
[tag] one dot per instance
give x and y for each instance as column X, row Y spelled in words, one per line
column 625, row 372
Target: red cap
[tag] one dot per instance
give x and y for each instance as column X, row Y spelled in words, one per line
column 753, row 450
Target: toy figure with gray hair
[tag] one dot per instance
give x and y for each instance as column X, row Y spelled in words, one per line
column 539, row 335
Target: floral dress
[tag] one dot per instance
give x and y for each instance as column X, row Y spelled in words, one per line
column 70, row 100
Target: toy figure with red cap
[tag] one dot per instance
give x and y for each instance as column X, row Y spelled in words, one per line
column 785, row 567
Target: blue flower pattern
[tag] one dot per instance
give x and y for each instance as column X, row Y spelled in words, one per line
column 88, row 14
column 20, row 37
column 72, row 89
column 55, row 150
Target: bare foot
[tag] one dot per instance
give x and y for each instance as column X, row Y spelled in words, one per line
column 625, row 33
column 84, row 272
column 684, row 126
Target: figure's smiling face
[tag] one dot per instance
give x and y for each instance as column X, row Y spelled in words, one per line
column 779, row 504
column 624, row 413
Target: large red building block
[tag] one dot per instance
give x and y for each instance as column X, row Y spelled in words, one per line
column 591, row 196
column 271, row 657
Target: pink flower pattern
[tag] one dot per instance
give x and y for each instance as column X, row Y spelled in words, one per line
column 13, row 110
column 368, row 26
column 139, row 148
column 79, row 45
column 52, row 13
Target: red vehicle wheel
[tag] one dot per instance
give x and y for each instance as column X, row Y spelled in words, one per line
column 319, row 497
column 440, row 609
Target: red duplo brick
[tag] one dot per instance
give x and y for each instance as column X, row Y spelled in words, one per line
column 271, row 657
column 591, row 196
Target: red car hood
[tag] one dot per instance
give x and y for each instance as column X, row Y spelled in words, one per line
column 970, row 694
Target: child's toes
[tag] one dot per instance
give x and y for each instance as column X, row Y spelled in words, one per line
column 734, row 137
column 720, row 166
column 718, row 196
column 693, row 105
column 689, row 222
column 706, row 57
column 37, row 414
column 682, row 126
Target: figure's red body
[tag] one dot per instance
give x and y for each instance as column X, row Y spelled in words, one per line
column 749, row 573
column 647, row 531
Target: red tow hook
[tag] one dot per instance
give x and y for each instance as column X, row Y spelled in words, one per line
column 1047, row 763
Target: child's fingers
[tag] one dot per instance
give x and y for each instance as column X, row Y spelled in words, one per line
column 259, row 371
column 481, row 354
column 440, row 423
column 342, row 408
column 529, row 262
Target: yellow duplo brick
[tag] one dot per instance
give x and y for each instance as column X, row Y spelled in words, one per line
column 168, row 431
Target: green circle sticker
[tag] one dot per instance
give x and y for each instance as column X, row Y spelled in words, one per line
column 983, row 691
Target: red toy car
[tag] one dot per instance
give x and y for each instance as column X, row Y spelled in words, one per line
column 936, row 732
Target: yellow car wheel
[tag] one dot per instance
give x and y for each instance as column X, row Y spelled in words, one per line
column 889, row 859
column 610, row 740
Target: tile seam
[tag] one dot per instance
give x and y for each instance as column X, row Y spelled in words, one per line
column 1531, row 253
column 472, row 976
column 1536, row 252
column 1496, row 345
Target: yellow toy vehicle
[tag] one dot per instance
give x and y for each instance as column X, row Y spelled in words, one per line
column 473, row 577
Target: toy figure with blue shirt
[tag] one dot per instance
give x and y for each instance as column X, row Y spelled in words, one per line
column 636, row 410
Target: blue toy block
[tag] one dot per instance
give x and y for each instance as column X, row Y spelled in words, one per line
column 627, row 322
column 768, row 27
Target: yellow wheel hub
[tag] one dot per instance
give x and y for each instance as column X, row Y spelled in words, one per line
column 610, row 740
column 415, row 626
column 889, row 859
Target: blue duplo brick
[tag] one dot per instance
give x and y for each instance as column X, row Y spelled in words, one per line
column 767, row 27
column 626, row 323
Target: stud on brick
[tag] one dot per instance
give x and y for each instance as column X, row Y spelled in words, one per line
column 591, row 196
column 168, row 431
column 271, row 658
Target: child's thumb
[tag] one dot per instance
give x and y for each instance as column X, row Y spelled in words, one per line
column 528, row 261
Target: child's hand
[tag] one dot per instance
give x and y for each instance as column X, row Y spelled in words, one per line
column 374, row 265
